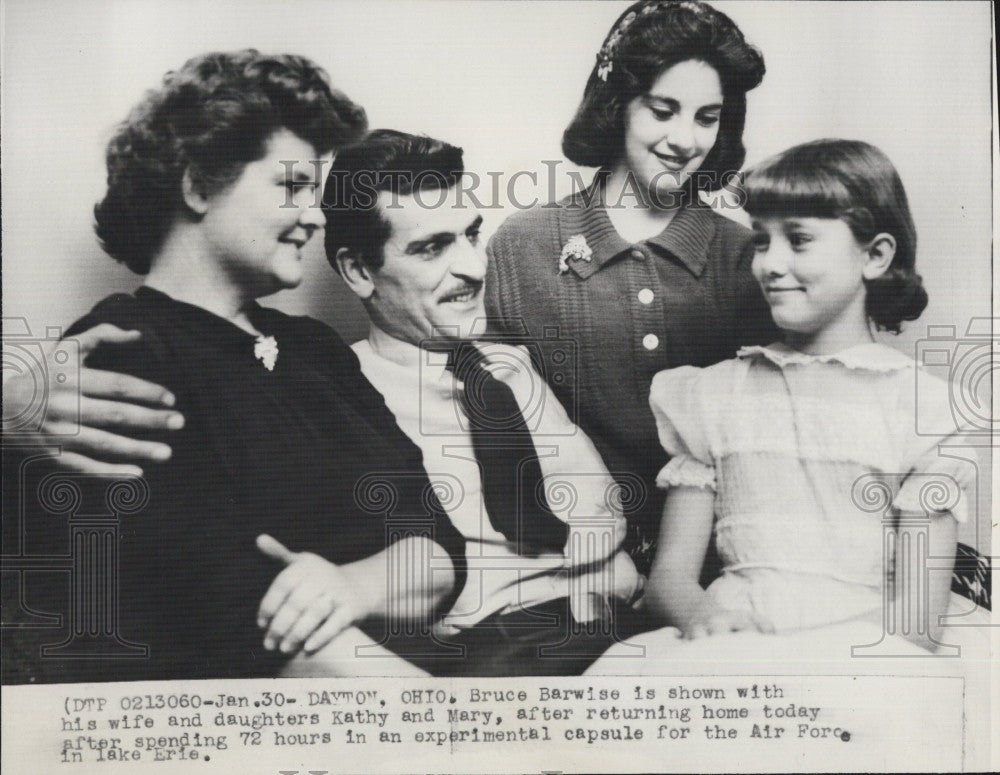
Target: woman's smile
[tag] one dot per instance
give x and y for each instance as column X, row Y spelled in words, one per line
column 673, row 127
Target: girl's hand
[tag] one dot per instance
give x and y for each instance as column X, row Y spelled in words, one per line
column 309, row 603
column 717, row 621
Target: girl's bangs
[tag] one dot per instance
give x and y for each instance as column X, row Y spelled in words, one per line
column 791, row 189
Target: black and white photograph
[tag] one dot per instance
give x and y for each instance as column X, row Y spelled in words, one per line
column 603, row 385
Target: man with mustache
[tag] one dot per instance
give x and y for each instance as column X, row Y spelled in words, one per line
column 540, row 513
column 520, row 481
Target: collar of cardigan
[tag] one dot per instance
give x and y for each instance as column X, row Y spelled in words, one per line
column 686, row 238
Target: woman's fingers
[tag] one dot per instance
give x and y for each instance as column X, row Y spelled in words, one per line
column 272, row 601
column 104, row 333
column 103, row 445
column 303, row 602
column 311, row 619
column 123, row 387
column 273, row 548
column 285, row 584
column 78, row 413
column 334, row 625
column 282, row 621
column 304, row 598
column 71, row 461
column 108, row 384
column 101, row 413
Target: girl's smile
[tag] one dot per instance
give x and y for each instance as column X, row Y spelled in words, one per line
column 670, row 130
column 812, row 272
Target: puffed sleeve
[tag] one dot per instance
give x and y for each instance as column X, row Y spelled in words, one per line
column 935, row 482
column 674, row 397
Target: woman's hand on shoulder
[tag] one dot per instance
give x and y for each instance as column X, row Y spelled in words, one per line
column 85, row 417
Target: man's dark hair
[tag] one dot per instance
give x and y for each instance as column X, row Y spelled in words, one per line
column 385, row 161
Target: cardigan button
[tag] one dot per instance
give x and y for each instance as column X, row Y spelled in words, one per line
column 650, row 341
column 638, row 254
column 645, row 296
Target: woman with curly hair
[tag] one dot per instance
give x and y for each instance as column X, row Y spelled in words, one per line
column 214, row 185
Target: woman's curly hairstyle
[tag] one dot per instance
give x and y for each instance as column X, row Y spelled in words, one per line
column 210, row 118
column 856, row 182
column 650, row 37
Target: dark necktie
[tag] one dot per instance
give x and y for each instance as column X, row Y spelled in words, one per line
column 506, row 454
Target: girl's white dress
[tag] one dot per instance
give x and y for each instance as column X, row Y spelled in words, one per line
column 812, row 459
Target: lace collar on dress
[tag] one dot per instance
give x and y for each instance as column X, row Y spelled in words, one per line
column 871, row 356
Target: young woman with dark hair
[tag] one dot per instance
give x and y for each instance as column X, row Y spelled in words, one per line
column 637, row 273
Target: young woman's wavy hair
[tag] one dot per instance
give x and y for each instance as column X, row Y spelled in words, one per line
column 649, row 38
column 855, row 182
column 210, row 119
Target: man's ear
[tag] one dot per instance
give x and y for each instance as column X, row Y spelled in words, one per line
column 881, row 251
column 355, row 273
column 193, row 193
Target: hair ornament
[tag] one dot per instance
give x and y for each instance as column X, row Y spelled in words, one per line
column 605, row 57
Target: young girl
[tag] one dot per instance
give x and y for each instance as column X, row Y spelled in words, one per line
column 786, row 445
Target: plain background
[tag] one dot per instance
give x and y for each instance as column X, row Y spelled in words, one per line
column 501, row 79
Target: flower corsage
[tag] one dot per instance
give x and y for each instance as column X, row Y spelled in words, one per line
column 576, row 248
column 265, row 350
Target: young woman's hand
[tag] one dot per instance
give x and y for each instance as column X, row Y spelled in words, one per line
column 712, row 620
column 310, row 602
column 86, row 417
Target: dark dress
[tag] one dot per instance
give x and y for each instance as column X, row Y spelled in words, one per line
column 606, row 325
column 307, row 452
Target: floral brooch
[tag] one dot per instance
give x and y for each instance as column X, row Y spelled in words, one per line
column 577, row 248
column 265, row 350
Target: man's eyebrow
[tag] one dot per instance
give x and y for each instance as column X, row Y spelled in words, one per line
column 440, row 238
column 299, row 175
